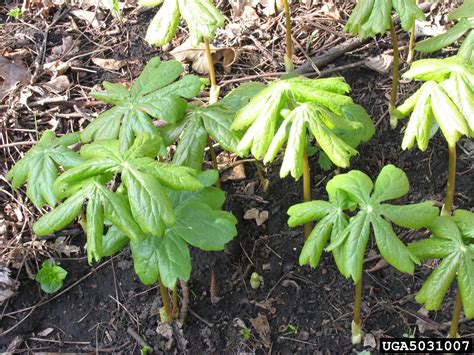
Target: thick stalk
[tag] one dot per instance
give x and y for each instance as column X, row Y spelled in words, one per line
column 453, row 330
column 395, row 73
column 449, row 201
column 289, row 66
column 165, row 299
column 306, row 190
column 357, row 302
column 411, row 44
column 263, row 182
column 174, row 311
column 214, row 92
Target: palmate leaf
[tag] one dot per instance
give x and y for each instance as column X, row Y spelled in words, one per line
column 447, row 98
column 155, row 94
column 101, row 203
column 374, row 215
column 332, row 221
column 372, row 17
column 212, row 121
column 201, row 17
column 200, row 223
column 39, row 167
column 141, row 175
column 450, row 241
column 318, row 107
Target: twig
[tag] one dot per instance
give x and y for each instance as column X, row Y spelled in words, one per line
column 133, row 333
column 184, row 301
column 297, row 340
column 197, row 316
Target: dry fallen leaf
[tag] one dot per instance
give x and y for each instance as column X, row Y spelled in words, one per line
column 229, row 170
column 87, row 16
column 197, row 56
column 110, row 64
column 259, row 216
column 46, row 332
column 263, row 329
column 69, row 47
column 58, row 85
column 12, row 73
column 380, row 63
column 8, row 286
column 370, row 341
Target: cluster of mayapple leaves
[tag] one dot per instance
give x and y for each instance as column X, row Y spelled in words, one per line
column 201, row 17
column 201, row 122
column 465, row 27
column 445, row 101
column 160, row 208
column 355, row 207
column 373, row 17
column 287, row 110
column 451, row 242
column 155, row 94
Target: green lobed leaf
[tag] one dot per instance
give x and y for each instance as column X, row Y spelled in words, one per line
column 163, row 26
column 415, row 216
column 165, row 258
column 408, row 12
column 465, row 222
column 307, row 212
column 241, row 95
column 173, row 176
column 150, row 205
column 314, row 245
column 391, row 183
column 379, row 19
column 466, row 284
column 360, row 14
column 202, row 18
column 156, row 75
column 113, row 241
column 355, row 244
column 355, row 183
column 391, row 248
column 465, row 10
column 445, row 39
column 431, row 248
column 202, row 227
column 94, row 229
column 51, row 276
column 104, row 126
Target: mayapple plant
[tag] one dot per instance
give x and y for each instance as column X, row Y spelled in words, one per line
column 464, row 14
column 292, row 110
column 156, row 93
column 372, row 17
column 451, row 241
column 445, row 101
column 356, row 206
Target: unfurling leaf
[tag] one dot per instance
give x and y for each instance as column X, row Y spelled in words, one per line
column 51, row 276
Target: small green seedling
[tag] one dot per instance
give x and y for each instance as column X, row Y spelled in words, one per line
column 14, row 13
column 451, row 242
column 445, row 101
column 245, row 333
column 464, row 14
column 255, row 280
column 291, row 329
column 373, row 17
column 349, row 237
column 51, row 276
column 154, row 94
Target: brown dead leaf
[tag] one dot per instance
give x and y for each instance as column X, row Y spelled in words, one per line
column 58, row 85
column 197, row 56
column 8, row 286
column 267, row 305
column 235, row 174
column 87, row 16
column 18, row 53
column 69, row 47
column 370, row 341
column 61, row 247
column 331, row 11
column 259, row 216
column 263, row 329
column 109, row 64
column 380, row 63
column 12, row 73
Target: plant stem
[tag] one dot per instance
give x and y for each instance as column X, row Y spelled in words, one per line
column 411, row 44
column 165, row 298
column 306, row 190
column 453, row 331
column 395, row 72
column 448, row 203
column 214, row 160
column 289, row 66
column 174, row 311
column 214, row 92
column 357, row 301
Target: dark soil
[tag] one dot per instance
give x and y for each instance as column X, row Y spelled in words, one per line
column 308, row 311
